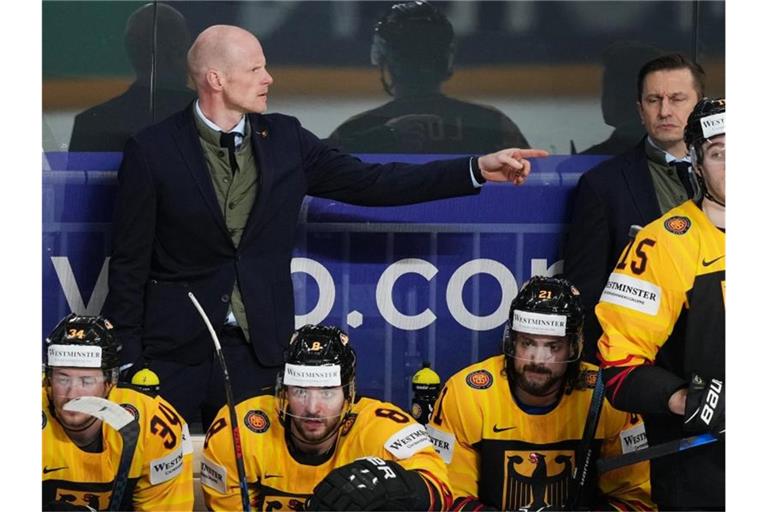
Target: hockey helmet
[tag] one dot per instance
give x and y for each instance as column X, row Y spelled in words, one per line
column 82, row 341
column 414, row 38
column 707, row 120
column 318, row 356
column 546, row 306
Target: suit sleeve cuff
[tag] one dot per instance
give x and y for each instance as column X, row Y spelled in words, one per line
column 475, row 173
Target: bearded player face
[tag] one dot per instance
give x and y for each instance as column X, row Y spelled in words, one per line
column 314, row 412
column 540, row 362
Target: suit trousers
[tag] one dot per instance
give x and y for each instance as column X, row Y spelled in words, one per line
column 197, row 391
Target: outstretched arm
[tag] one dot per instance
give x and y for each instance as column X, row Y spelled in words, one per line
column 509, row 164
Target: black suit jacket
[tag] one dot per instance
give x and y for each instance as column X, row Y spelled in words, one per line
column 170, row 237
column 608, row 200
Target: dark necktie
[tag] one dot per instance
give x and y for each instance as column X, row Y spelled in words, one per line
column 682, row 173
column 227, row 140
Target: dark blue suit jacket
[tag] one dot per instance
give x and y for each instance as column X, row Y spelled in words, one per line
column 608, row 200
column 170, row 236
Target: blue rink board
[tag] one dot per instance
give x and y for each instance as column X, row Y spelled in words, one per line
column 412, row 283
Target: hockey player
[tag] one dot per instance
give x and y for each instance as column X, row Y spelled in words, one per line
column 413, row 47
column 672, row 276
column 510, row 426
column 81, row 454
column 315, row 439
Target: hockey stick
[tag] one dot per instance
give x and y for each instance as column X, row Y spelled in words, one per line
column 655, row 451
column 584, row 451
column 125, row 424
column 230, row 405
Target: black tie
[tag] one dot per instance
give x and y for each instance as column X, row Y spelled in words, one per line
column 227, row 140
column 682, row 173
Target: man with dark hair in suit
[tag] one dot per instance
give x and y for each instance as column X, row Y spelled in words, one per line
column 635, row 187
column 208, row 203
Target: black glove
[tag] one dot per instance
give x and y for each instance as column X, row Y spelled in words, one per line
column 705, row 406
column 370, row 484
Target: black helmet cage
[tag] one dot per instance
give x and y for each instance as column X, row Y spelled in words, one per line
column 81, row 330
column 319, row 345
column 414, row 38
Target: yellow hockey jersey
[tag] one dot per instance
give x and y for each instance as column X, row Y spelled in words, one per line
column 276, row 480
column 674, row 263
column 663, row 318
column 511, row 459
column 160, row 477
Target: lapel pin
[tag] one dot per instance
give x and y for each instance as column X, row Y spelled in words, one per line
column 263, row 133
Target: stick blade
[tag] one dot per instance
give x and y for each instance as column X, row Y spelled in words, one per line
column 101, row 408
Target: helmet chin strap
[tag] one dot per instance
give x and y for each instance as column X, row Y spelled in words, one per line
column 693, row 151
column 712, row 198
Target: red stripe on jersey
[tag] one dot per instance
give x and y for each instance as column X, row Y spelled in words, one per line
column 619, row 504
column 439, row 494
column 616, row 382
column 459, row 505
column 620, row 362
column 638, row 505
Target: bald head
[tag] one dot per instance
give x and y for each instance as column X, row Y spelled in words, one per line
column 228, row 67
column 218, row 48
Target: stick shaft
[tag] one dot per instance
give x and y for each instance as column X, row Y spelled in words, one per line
column 653, row 452
column 230, row 405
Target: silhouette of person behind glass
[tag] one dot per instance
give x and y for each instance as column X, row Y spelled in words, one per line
column 413, row 46
column 621, row 62
column 106, row 127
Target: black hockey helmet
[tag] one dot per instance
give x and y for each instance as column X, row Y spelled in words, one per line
column 80, row 341
column 707, row 120
column 546, row 305
column 320, row 345
column 86, row 332
column 415, row 40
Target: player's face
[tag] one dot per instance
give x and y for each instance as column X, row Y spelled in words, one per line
column 712, row 167
column 540, row 362
column 667, row 100
column 69, row 383
column 246, row 78
column 315, row 412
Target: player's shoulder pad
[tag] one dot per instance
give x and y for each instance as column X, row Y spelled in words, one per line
column 138, row 389
column 383, row 424
column 679, row 222
column 257, row 415
column 479, row 376
column 142, row 405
